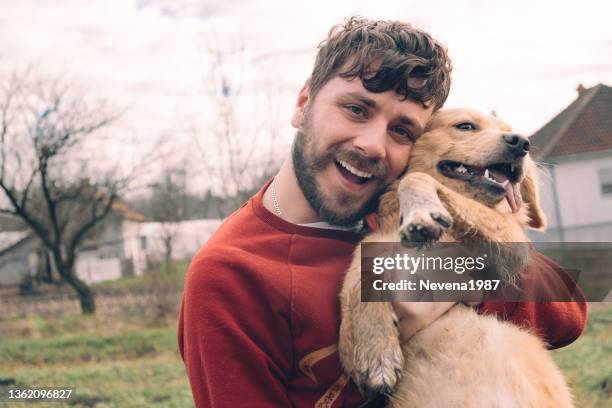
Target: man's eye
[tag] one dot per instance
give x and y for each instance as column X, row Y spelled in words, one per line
column 356, row 110
column 401, row 131
column 404, row 134
column 465, row 126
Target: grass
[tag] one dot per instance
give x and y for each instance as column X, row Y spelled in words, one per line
column 180, row 268
column 120, row 365
column 587, row 363
column 134, row 363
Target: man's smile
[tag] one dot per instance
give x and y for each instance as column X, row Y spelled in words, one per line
column 352, row 173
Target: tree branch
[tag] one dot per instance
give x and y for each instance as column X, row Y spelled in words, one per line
column 19, row 211
column 87, row 226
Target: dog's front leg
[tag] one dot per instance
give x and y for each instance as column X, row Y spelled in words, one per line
column 423, row 217
column 369, row 346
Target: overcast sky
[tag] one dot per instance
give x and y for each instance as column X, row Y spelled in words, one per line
column 523, row 59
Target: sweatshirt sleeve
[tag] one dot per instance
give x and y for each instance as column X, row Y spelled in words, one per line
column 557, row 323
column 233, row 336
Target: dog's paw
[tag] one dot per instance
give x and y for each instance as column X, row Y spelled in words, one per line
column 424, row 224
column 377, row 365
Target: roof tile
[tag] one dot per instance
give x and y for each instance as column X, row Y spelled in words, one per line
column 584, row 126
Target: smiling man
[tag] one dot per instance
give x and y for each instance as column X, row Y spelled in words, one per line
column 260, row 315
column 350, row 144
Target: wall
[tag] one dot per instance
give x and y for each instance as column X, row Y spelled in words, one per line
column 584, row 212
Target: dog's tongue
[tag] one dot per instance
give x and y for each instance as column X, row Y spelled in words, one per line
column 513, row 192
column 513, row 196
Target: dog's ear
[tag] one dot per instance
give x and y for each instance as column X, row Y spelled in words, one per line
column 529, row 192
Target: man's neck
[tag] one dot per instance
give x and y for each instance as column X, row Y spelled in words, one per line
column 290, row 199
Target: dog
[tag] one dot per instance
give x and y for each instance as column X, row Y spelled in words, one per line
column 470, row 179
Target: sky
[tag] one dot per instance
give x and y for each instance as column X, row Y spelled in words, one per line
column 150, row 58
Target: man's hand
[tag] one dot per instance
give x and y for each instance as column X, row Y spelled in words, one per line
column 415, row 316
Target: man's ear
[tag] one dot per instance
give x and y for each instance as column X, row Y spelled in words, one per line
column 529, row 192
column 300, row 105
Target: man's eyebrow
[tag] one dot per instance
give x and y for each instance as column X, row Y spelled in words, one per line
column 411, row 123
column 369, row 102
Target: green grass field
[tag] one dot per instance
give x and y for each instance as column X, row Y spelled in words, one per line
column 587, row 363
column 109, row 364
column 131, row 363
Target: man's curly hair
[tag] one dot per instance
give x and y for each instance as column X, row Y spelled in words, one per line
column 385, row 55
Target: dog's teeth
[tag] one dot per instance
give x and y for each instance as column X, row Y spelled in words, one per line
column 505, row 183
column 512, row 167
column 487, row 173
column 462, row 169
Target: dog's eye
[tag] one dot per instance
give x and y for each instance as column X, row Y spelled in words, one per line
column 465, row 126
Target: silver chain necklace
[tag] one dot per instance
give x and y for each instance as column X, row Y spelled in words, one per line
column 275, row 205
column 279, row 213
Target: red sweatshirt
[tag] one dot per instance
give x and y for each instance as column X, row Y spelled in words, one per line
column 259, row 322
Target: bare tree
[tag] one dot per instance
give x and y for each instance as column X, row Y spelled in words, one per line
column 167, row 206
column 47, row 133
column 239, row 148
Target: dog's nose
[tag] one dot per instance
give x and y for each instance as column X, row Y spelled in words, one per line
column 517, row 144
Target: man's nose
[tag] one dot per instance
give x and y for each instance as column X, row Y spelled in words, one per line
column 517, row 144
column 371, row 141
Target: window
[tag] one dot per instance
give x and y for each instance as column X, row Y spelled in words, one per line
column 605, row 181
column 143, row 243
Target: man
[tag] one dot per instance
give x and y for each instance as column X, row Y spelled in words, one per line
column 259, row 320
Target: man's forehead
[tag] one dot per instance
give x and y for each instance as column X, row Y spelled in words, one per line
column 413, row 81
column 354, row 87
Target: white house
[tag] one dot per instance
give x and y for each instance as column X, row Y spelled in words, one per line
column 187, row 237
column 120, row 247
column 18, row 257
column 128, row 245
column 574, row 150
column 103, row 255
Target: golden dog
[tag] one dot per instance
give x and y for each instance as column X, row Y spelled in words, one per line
column 461, row 170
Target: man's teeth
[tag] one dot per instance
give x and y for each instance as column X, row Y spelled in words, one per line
column 353, row 170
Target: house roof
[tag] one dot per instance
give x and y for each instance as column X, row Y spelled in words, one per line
column 124, row 210
column 10, row 239
column 9, row 222
column 585, row 126
column 13, row 223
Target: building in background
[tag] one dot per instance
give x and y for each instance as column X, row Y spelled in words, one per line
column 111, row 252
column 19, row 254
column 574, row 151
column 187, row 237
column 105, row 254
column 122, row 246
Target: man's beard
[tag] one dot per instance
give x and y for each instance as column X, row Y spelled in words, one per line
column 307, row 164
